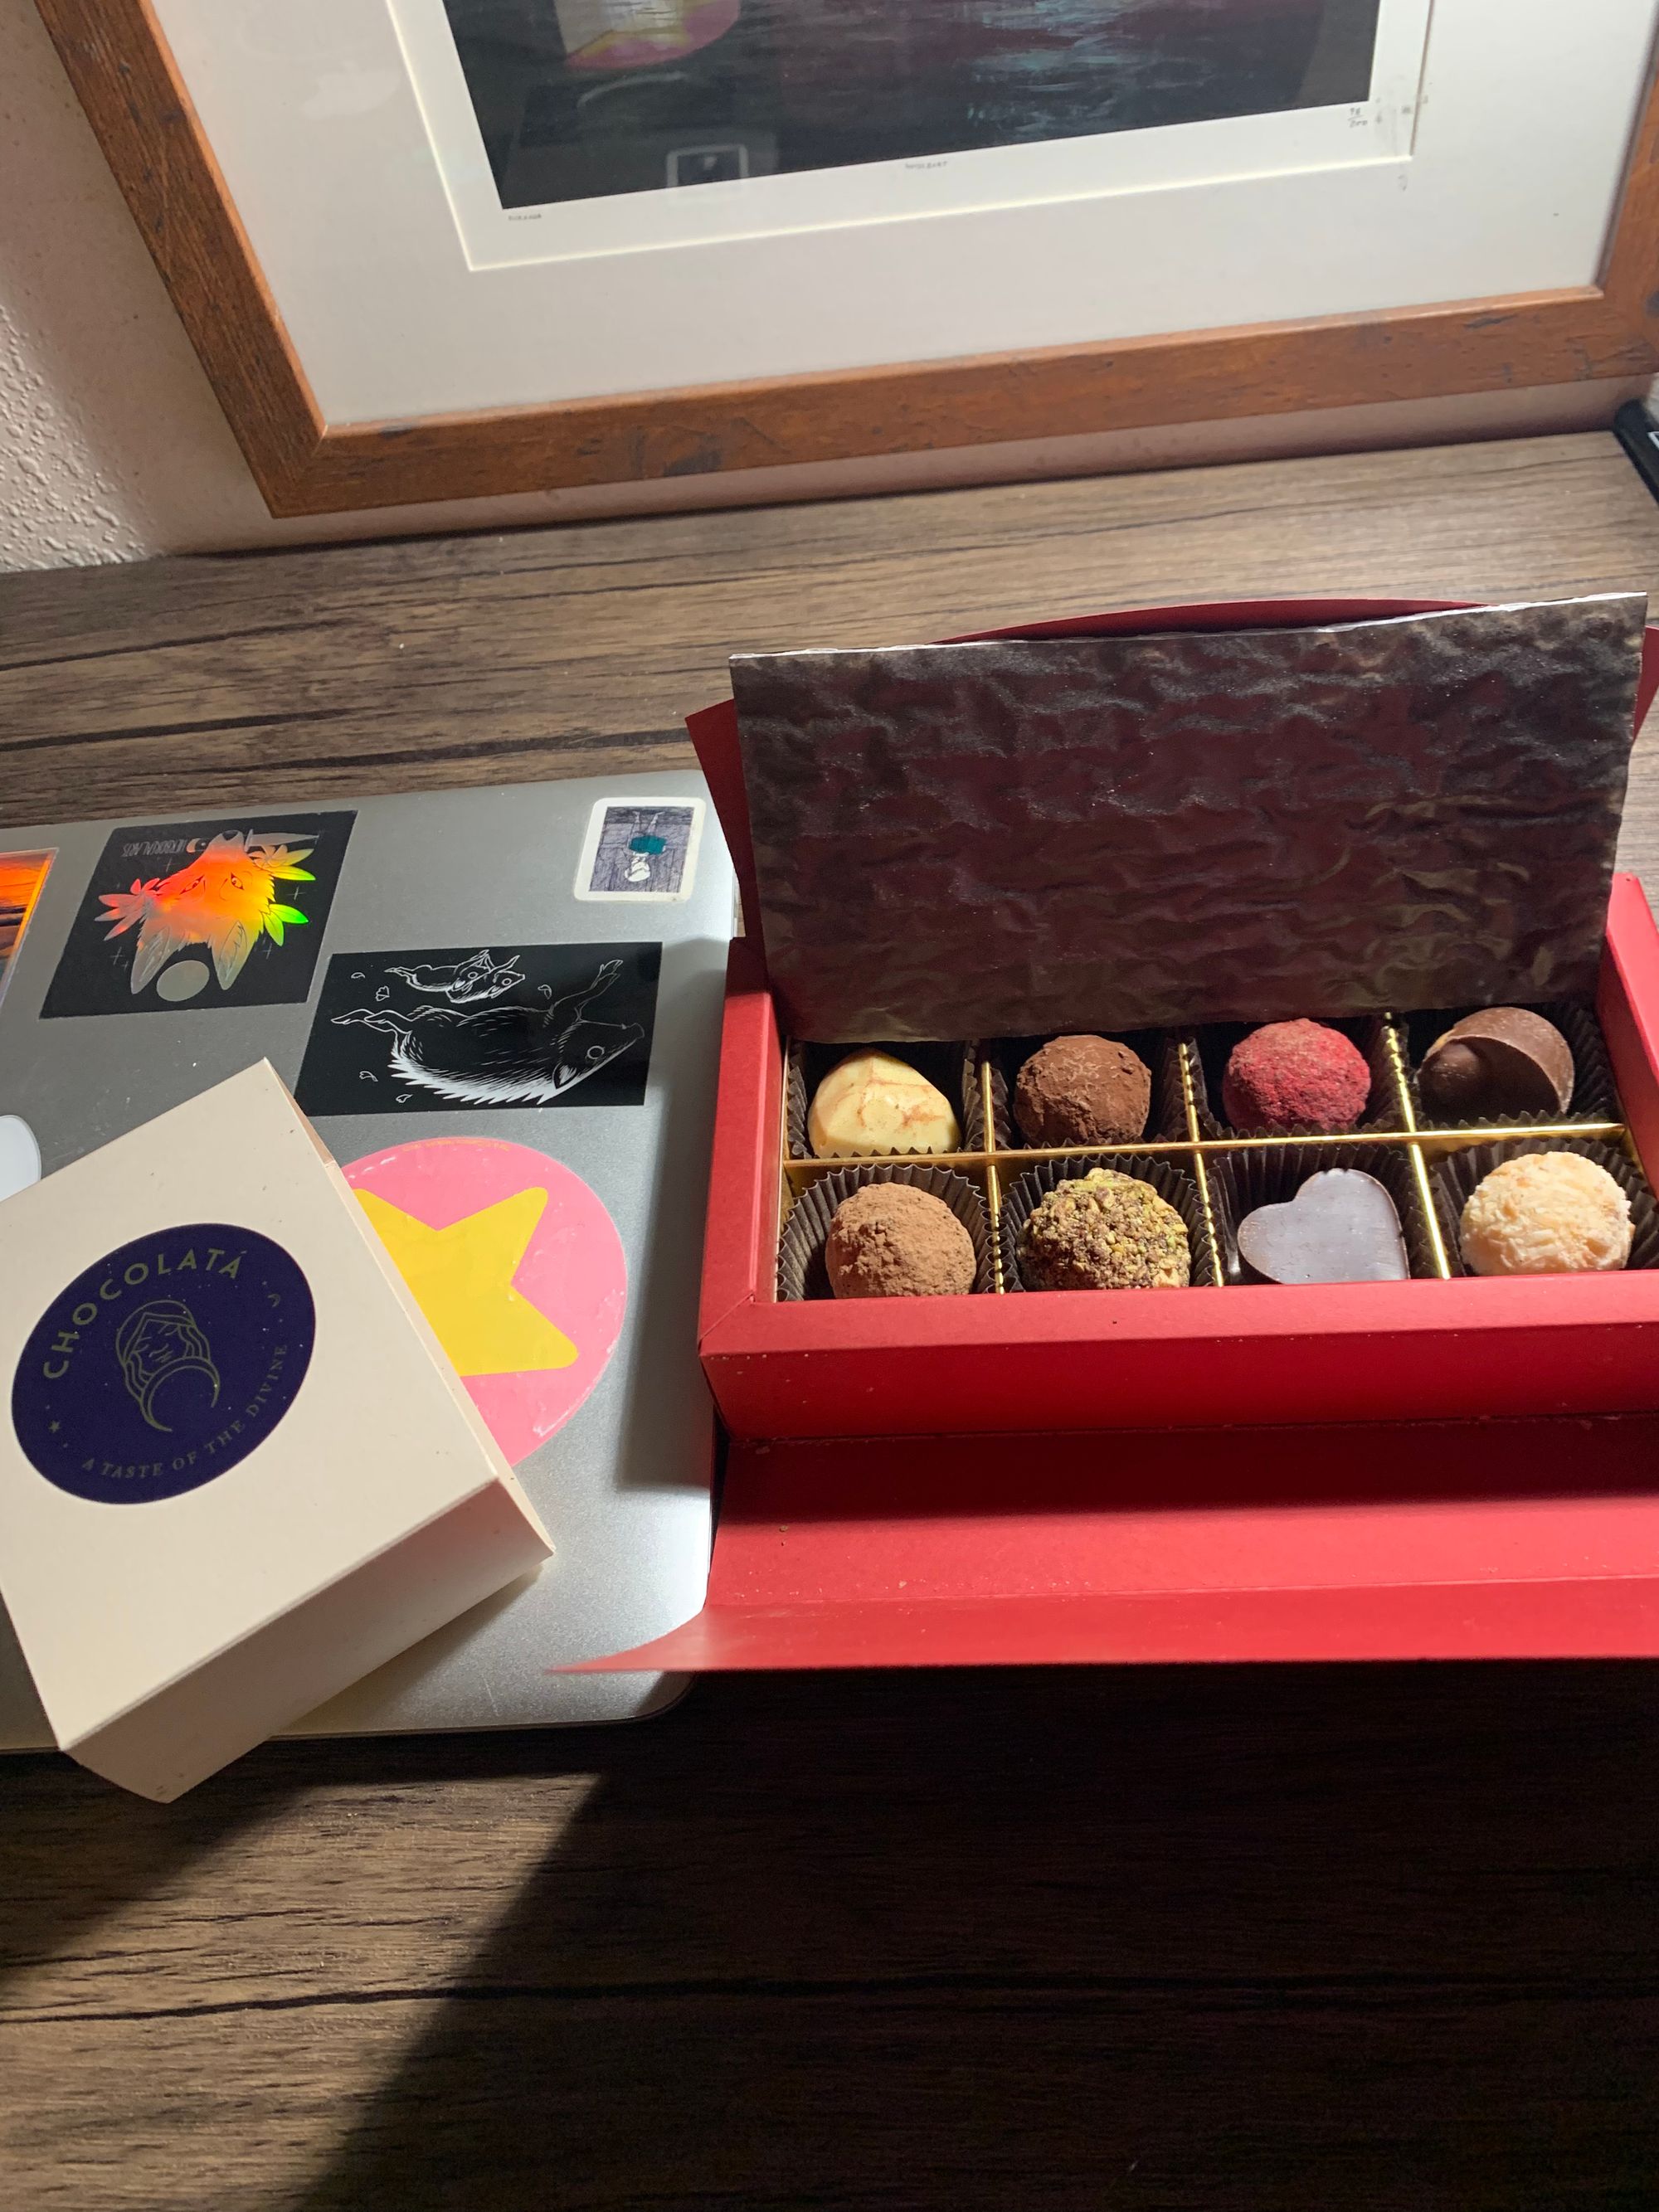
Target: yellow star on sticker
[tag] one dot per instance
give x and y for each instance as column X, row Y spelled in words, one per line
column 462, row 1279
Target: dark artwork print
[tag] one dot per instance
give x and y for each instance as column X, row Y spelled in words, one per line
column 582, row 99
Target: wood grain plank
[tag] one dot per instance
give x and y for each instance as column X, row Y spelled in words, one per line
column 1250, row 1940
column 1237, row 1938
column 571, row 651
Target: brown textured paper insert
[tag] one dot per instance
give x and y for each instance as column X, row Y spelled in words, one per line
column 1112, row 833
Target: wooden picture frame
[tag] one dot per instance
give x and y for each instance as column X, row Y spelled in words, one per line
column 120, row 65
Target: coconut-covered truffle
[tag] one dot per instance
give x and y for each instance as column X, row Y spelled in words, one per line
column 1082, row 1090
column 871, row 1103
column 1545, row 1213
column 1295, row 1077
column 889, row 1241
column 1504, row 1060
column 1104, row 1231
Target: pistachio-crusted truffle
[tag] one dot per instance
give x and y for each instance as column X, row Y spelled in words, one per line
column 1104, row 1231
column 891, row 1241
column 1545, row 1213
column 1295, row 1077
column 1082, row 1090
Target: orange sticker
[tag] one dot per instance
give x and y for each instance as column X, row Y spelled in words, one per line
column 22, row 875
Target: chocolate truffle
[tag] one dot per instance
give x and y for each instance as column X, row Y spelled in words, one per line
column 888, row 1241
column 1082, row 1090
column 1295, row 1077
column 1505, row 1059
column 1340, row 1227
column 871, row 1103
column 1545, row 1213
column 1104, row 1231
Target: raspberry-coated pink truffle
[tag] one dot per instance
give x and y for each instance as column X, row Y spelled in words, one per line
column 1295, row 1077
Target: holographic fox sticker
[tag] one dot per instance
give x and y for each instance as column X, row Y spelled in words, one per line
column 196, row 914
column 225, row 898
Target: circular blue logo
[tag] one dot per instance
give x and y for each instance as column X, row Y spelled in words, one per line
column 164, row 1365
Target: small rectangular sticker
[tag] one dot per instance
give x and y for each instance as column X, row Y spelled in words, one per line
column 21, row 876
column 187, row 916
column 641, row 849
column 424, row 1032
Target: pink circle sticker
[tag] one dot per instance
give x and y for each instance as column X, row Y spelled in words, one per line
column 516, row 1265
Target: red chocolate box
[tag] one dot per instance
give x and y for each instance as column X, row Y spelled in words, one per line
column 1444, row 1465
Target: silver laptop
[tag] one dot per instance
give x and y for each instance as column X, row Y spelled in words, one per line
column 536, row 971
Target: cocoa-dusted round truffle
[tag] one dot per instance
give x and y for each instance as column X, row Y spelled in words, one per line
column 891, row 1241
column 1545, row 1213
column 1104, row 1231
column 1295, row 1077
column 1082, row 1090
column 1504, row 1060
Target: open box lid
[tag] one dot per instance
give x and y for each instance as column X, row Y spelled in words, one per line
column 1452, row 1539
column 1161, row 816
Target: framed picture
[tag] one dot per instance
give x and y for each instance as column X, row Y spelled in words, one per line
column 438, row 249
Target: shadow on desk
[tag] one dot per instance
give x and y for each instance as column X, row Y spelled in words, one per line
column 1177, row 1939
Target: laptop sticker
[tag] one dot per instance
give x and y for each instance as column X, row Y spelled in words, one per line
column 19, row 1155
column 478, row 1025
column 187, row 915
column 641, row 849
column 515, row 1263
column 21, row 876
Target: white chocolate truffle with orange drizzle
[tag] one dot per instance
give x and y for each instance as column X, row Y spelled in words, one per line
column 871, row 1103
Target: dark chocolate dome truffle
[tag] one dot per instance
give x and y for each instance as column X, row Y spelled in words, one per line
column 891, row 1241
column 1296, row 1077
column 1082, row 1090
column 1502, row 1060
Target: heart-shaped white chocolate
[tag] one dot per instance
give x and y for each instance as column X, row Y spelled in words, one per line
column 1340, row 1227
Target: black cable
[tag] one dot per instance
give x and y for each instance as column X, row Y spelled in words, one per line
column 1639, row 434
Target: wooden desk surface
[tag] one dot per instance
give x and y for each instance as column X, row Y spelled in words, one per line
column 1182, row 1940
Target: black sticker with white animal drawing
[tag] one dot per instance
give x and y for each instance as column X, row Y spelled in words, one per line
column 481, row 1026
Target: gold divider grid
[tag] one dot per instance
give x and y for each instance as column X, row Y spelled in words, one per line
column 1201, row 1171
column 988, row 1169
column 1401, row 1074
column 992, row 1179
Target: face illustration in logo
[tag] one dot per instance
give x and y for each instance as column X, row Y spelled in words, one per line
column 166, row 1363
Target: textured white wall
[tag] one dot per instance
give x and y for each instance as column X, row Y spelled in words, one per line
column 113, row 446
